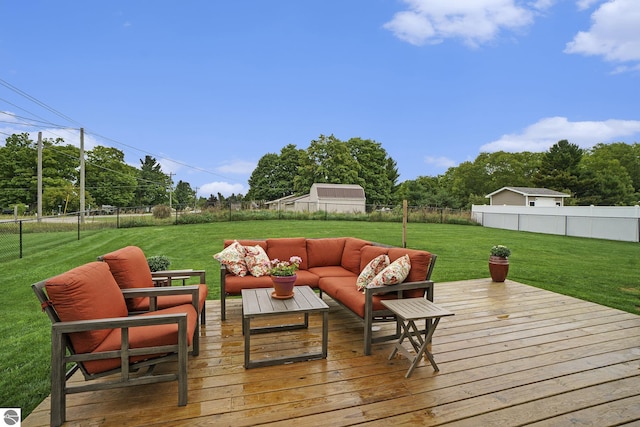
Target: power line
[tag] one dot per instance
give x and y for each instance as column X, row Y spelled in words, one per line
column 37, row 102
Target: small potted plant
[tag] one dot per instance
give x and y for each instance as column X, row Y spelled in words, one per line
column 283, row 276
column 499, row 263
column 158, row 262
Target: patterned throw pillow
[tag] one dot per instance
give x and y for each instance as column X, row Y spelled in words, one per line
column 395, row 273
column 257, row 260
column 371, row 270
column 233, row 258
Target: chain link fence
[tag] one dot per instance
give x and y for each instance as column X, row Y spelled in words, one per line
column 26, row 236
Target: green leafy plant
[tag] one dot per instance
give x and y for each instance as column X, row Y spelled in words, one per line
column 501, row 251
column 158, row 262
column 284, row 268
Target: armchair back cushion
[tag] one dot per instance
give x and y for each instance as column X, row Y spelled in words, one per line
column 130, row 269
column 83, row 293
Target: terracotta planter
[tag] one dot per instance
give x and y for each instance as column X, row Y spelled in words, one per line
column 283, row 286
column 499, row 268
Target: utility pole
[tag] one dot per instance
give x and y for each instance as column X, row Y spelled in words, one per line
column 82, row 175
column 170, row 187
column 195, row 199
column 39, row 176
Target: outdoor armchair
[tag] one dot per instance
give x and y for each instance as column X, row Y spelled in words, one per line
column 91, row 328
column 130, row 269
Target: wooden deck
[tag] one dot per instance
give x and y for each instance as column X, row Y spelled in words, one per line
column 512, row 355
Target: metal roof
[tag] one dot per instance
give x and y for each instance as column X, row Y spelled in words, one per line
column 531, row 191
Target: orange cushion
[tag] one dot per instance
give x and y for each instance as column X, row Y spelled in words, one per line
column 130, row 269
column 234, row 284
column 351, row 254
column 325, row 252
column 368, row 253
column 83, row 293
column 285, row 248
column 331, row 271
column 144, row 336
column 419, row 262
column 344, row 289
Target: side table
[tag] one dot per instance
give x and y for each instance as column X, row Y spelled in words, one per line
column 408, row 311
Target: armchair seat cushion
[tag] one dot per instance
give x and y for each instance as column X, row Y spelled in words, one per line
column 144, row 336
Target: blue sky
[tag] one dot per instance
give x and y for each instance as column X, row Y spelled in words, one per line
column 209, row 87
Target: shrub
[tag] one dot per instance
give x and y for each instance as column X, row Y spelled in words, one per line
column 158, row 262
column 161, row 211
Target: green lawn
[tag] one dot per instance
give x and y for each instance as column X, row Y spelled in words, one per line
column 596, row 270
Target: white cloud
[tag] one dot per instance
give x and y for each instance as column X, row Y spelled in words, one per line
column 241, row 167
column 614, row 32
column 439, row 162
column 473, row 21
column 586, row 4
column 223, row 188
column 543, row 134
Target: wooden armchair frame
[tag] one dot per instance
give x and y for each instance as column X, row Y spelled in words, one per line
column 170, row 274
column 131, row 374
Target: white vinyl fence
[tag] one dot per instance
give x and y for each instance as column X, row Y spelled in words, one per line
column 598, row 222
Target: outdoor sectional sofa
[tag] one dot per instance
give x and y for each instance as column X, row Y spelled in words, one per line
column 332, row 265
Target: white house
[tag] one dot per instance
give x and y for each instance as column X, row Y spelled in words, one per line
column 526, row 196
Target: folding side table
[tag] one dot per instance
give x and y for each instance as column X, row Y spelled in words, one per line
column 408, row 311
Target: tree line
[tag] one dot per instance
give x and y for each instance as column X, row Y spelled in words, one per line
column 108, row 179
column 607, row 174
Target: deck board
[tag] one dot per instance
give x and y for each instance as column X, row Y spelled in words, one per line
column 511, row 355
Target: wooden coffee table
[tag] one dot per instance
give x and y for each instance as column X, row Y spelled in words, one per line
column 258, row 303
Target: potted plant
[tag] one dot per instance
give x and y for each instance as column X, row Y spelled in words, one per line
column 158, row 262
column 499, row 263
column 283, row 276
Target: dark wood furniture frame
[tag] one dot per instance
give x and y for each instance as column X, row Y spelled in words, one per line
column 131, row 374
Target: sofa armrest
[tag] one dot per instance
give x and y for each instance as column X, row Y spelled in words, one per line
column 405, row 286
column 427, row 285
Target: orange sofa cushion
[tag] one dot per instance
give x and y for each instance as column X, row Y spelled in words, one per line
column 344, row 289
column 368, row 253
column 130, row 269
column 83, row 293
column 144, row 336
column 351, row 254
column 285, row 248
column 420, row 261
column 325, row 252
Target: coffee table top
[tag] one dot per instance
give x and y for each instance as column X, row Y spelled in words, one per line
column 259, row 302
